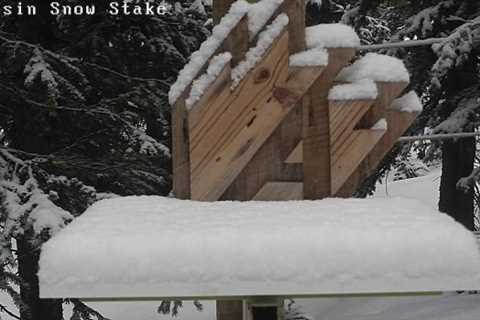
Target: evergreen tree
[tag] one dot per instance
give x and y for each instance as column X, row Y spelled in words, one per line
column 83, row 116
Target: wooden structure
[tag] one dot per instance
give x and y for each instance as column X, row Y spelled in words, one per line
column 277, row 136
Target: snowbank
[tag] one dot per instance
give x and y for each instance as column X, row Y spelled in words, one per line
column 334, row 35
column 378, row 67
column 162, row 247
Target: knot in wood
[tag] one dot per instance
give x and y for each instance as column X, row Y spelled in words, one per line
column 262, row 75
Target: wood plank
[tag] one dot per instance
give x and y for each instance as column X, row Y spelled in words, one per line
column 387, row 92
column 345, row 116
column 229, row 310
column 280, row 191
column 267, row 163
column 231, row 115
column 346, row 162
column 239, row 135
column 233, row 41
column 237, row 42
column 180, row 150
column 202, row 109
column 295, row 9
column 235, row 155
column 398, row 123
column 316, row 133
column 296, row 156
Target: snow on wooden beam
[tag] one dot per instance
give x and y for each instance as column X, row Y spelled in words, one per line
column 155, row 247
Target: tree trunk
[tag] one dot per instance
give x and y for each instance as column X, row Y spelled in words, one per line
column 457, row 162
column 37, row 309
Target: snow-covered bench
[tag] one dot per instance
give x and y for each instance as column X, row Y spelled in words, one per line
column 155, row 247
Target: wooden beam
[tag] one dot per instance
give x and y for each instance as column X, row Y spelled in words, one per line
column 398, row 123
column 237, row 42
column 387, row 92
column 224, row 144
column 203, row 109
column 267, row 164
column 295, row 9
column 354, row 150
column 316, row 133
column 218, row 147
column 229, row 310
column 180, row 150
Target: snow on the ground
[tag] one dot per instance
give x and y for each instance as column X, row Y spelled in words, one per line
column 378, row 67
column 425, row 189
column 446, row 307
column 410, row 102
column 364, row 89
column 155, row 246
column 312, row 57
column 334, row 35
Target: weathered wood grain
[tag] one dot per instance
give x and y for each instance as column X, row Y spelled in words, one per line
column 180, row 150
column 352, row 152
column 316, row 133
column 280, row 191
column 398, row 123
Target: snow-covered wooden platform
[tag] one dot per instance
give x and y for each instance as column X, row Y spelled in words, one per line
column 155, row 247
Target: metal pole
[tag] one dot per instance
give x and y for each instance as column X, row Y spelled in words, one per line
column 401, row 44
column 442, row 136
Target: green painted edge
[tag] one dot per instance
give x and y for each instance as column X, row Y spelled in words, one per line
column 260, row 297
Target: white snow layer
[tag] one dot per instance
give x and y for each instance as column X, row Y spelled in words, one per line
column 409, row 102
column 378, row 67
column 199, row 58
column 381, row 124
column 334, row 35
column 364, row 89
column 255, row 54
column 308, row 58
column 201, row 84
column 164, row 247
column 260, row 13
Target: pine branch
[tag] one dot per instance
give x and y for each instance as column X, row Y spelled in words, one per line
column 87, row 109
column 82, row 311
column 91, row 64
column 11, row 314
